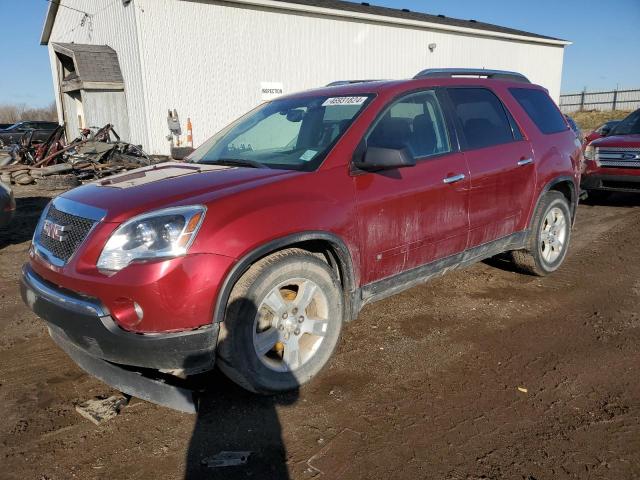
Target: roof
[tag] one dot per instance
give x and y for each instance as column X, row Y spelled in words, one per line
column 96, row 66
column 365, row 10
column 404, row 13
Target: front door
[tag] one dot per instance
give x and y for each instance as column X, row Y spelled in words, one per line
column 415, row 215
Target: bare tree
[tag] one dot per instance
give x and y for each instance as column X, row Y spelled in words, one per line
column 12, row 113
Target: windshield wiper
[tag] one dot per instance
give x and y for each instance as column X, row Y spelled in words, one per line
column 237, row 162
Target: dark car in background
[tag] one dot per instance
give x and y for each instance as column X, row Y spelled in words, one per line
column 7, row 204
column 601, row 131
column 41, row 131
column 613, row 161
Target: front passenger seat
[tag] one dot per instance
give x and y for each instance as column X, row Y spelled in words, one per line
column 391, row 133
column 423, row 138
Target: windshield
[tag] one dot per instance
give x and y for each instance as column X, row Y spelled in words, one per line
column 630, row 125
column 291, row 134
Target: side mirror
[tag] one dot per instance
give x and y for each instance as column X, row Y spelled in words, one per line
column 378, row 158
column 604, row 131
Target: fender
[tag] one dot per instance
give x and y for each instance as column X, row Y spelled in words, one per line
column 550, row 185
column 345, row 265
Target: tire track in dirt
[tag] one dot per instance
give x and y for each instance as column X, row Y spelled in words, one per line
column 428, row 379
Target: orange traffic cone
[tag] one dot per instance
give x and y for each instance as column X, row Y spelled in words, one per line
column 189, row 133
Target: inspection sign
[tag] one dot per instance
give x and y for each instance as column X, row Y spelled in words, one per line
column 271, row 90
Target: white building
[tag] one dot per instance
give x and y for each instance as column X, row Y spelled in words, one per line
column 127, row 62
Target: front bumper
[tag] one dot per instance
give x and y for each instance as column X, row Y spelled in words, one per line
column 84, row 329
column 612, row 183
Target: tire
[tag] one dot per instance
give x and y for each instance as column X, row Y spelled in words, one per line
column 291, row 301
column 545, row 250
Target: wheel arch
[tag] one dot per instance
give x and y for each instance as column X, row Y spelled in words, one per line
column 564, row 185
column 336, row 253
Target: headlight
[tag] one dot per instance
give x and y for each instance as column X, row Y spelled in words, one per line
column 590, row 152
column 164, row 233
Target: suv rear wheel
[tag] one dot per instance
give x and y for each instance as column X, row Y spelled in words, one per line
column 549, row 237
column 282, row 324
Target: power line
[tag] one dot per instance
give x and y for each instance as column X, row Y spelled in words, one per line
column 86, row 16
column 65, row 6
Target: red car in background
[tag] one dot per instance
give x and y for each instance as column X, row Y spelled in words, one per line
column 613, row 162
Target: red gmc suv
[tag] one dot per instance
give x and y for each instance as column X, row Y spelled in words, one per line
column 613, row 161
column 277, row 230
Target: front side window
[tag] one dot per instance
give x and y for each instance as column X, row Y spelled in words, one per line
column 290, row 134
column 540, row 109
column 482, row 117
column 414, row 122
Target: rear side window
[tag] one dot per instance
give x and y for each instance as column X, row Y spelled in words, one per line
column 482, row 117
column 540, row 109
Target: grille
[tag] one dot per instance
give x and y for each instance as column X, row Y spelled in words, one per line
column 619, row 157
column 76, row 230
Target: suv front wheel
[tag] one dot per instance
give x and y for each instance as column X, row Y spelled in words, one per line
column 282, row 324
column 549, row 236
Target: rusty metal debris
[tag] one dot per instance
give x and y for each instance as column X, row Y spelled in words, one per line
column 54, row 164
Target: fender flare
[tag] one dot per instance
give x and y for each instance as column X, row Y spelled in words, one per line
column 345, row 265
column 574, row 195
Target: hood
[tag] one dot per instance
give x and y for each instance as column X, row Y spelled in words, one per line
column 621, row 141
column 168, row 184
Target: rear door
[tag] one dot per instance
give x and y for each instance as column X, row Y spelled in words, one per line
column 501, row 164
column 410, row 216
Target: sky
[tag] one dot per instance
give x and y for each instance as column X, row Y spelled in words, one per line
column 605, row 33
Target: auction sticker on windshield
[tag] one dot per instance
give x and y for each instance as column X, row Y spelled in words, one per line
column 308, row 155
column 344, row 101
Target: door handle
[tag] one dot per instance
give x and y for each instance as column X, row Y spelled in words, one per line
column 454, row 179
column 525, row 161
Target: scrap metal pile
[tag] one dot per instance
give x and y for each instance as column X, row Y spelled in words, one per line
column 54, row 164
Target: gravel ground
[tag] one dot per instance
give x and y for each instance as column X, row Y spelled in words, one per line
column 481, row 374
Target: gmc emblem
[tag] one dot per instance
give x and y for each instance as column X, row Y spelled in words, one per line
column 55, row 231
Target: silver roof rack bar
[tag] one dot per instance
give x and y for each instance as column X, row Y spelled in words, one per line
column 469, row 72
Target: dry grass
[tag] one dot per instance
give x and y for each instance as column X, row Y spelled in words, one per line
column 589, row 120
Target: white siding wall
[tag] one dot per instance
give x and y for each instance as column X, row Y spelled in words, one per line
column 113, row 25
column 207, row 59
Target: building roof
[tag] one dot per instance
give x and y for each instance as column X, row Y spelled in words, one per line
column 96, row 66
column 366, row 7
column 366, row 11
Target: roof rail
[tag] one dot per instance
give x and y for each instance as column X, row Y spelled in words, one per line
column 348, row 82
column 468, row 72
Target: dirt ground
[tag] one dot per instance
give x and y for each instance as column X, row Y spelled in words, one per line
column 481, row 374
